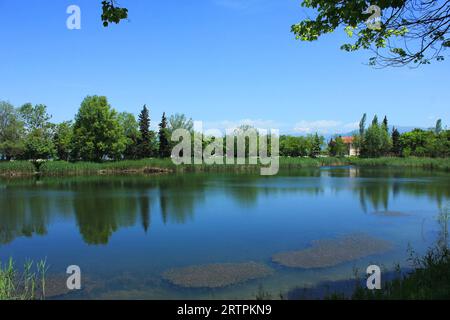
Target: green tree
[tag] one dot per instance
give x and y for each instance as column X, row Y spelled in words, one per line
column 362, row 125
column 375, row 121
column 358, row 139
column 418, row 143
column 111, row 13
column 316, row 145
column 97, row 132
column 409, row 31
column 146, row 142
column 373, row 140
column 293, row 146
column 442, row 144
column 11, row 132
column 164, row 142
column 129, row 125
column 386, row 142
column 438, row 127
column 337, row 147
column 38, row 132
column 385, row 124
column 180, row 121
column 62, row 139
column 377, row 141
column 396, row 144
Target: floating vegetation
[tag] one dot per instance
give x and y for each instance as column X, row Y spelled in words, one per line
column 216, row 275
column 391, row 213
column 56, row 286
column 331, row 252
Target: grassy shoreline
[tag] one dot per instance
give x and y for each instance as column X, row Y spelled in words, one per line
column 164, row 166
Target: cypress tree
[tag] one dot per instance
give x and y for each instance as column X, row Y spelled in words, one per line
column 164, row 146
column 145, row 140
column 396, row 146
column 362, row 125
column 385, row 124
column 375, row 121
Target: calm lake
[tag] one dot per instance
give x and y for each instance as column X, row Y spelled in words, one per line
column 126, row 231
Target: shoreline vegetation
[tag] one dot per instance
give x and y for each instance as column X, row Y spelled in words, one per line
column 99, row 132
column 152, row 166
column 26, row 284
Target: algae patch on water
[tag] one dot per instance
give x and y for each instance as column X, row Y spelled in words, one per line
column 388, row 213
column 216, row 275
column 331, row 252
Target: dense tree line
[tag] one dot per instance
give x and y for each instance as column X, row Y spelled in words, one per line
column 99, row 132
column 301, row 146
column 378, row 140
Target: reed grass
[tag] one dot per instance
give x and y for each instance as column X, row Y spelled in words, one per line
column 64, row 168
column 16, row 168
column 26, row 285
column 411, row 162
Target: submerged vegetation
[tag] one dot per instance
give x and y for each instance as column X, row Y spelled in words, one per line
column 26, row 285
column 216, row 275
column 328, row 253
column 429, row 278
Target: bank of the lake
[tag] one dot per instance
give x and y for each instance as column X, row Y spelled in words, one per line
column 164, row 166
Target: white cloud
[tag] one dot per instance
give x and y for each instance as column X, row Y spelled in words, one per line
column 324, row 126
column 301, row 127
column 231, row 125
column 352, row 125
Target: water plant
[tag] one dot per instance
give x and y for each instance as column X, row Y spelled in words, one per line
column 26, row 285
column 216, row 275
column 16, row 168
column 330, row 252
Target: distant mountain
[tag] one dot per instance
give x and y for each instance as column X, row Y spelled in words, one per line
column 407, row 129
column 401, row 129
column 328, row 136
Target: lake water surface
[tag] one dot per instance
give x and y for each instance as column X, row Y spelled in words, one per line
column 125, row 231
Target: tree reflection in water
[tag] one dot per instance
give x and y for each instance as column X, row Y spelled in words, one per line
column 102, row 205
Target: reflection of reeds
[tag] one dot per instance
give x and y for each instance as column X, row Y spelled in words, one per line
column 216, row 275
column 328, row 253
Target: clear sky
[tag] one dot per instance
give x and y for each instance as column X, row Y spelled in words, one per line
column 219, row 61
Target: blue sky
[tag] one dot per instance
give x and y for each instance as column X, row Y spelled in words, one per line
column 223, row 62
